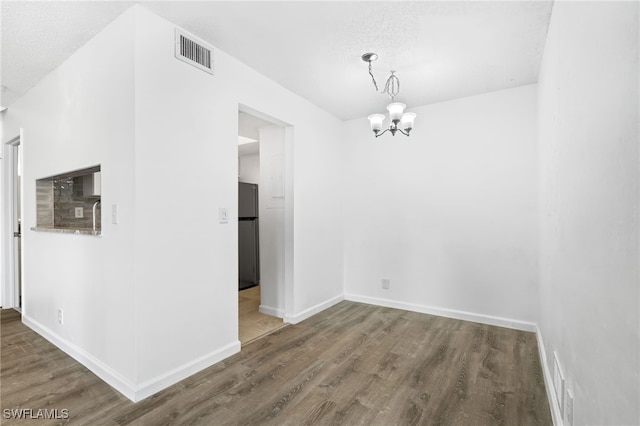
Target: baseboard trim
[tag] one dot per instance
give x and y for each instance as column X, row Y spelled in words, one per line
column 548, row 382
column 117, row 381
column 294, row 319
column 100, row 369
column 443, row 312
column 172, row 377
column 150, row 387
column 268, row 310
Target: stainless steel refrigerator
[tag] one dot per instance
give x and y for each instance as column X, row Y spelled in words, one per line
column 248, row 244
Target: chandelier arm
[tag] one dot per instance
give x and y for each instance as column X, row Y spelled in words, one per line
column 380, row 134
column 403, row 132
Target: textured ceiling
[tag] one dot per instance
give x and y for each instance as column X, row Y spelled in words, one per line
column 39, row 36
column 440, row 50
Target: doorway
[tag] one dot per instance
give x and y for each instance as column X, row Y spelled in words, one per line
column 261, row 168
column 12, row 224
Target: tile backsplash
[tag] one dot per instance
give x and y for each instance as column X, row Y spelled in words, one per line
column 67, row 197
column 44, row 197
column 66, row 201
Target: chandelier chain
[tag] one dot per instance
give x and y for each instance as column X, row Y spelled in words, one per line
column 392, row 86
column 372, row 78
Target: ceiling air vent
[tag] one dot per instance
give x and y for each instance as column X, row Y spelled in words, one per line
column 193, row 51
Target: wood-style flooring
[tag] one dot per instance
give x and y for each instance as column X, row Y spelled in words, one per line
column 350, row 364
column 253, row 324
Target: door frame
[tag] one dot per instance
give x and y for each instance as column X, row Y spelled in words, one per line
column 289, row 286
column 11, row 195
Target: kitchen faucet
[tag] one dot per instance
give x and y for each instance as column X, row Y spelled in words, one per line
column 95, row 205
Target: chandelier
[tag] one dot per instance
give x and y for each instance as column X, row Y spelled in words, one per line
column 400, row 121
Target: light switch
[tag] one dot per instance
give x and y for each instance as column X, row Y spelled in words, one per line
column 568, row 410
column 224, row 215
column 114, row 214
column 79, row 213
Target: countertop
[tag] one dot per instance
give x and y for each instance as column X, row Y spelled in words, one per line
column 80, row 231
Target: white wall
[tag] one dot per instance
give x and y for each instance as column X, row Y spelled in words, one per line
column 314, row 164
column 448, row 214
column 3, row 211
column 184, row 259
column 249, row 168
column 186, row 169
column 82, row 114
column 155, row 298
column 589, row 206
column 272, row 221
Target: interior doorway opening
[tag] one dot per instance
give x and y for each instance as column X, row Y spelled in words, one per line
column 262, row 218
column 12, row 224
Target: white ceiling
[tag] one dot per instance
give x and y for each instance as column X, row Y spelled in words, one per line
column 440, row 50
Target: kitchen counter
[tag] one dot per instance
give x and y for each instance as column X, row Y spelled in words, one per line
column 81, row 231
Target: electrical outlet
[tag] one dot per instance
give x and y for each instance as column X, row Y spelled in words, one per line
column 558, row 383
column 60, row 317
column 79, row 212
column 386, row 283
column 568, row 409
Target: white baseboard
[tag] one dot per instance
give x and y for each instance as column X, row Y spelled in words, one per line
column 294, row 319
column 443, row 312
column 268, row 310
column 150, row 387
column 159, row 383
column 115, row 380
column 548, row 382
column 100, row 369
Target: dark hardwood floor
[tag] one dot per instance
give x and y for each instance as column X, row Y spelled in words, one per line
column 351, row 364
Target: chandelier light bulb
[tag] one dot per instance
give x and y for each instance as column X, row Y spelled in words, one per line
column 376, row 122
column 395, row 111
column 407, row 120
